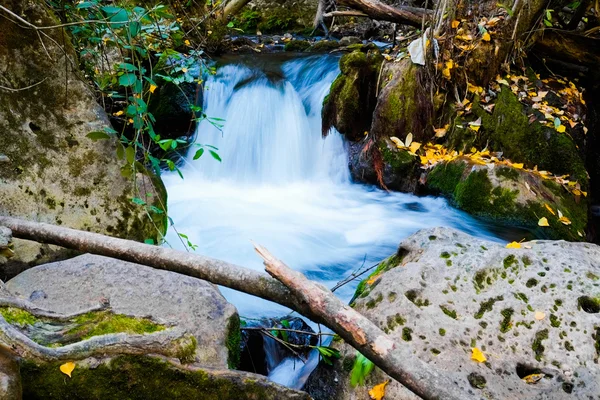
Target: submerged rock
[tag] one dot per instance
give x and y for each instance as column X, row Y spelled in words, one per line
column 532, row 311
column 54, row 173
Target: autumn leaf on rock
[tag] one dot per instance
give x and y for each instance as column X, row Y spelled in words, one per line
column 513, row 245
column 533, row 378
column 378, row 391
column 67, row 368
column 543, row 222
column 477, row 355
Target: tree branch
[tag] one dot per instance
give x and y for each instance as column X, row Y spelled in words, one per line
column 363, row 335
column 377, row 10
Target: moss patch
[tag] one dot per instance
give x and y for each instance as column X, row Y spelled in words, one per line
column 537, row 346
column 233, row 342
column 487, row 306
column 17, row 316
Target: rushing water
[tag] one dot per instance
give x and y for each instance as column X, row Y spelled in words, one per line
column 282, row 185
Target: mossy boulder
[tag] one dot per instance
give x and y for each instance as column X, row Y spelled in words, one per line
column 352, row 97
column 146, row 378
column 276, row 16
column 508, row 129
column 52, row 172
column 510, row 196
column 531, row 310
column 142, row 300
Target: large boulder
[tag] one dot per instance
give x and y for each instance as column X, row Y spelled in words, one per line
column 51, row 172
column 168, row 298
column 531, row 310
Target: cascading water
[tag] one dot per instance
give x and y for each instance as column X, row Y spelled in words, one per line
column 282, row 185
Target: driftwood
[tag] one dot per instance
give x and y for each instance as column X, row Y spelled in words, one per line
column 289, row 288
column 405, row 15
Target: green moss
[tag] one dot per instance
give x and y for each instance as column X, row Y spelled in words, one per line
column 414, row 297
column 596, row 337
column 448, row 263
column 186, row 351
column 537, row 345
column 487, row 306
column 363, row 288
column 554, row 321
column 435, row 352
column 373, row 302
column 477, row 381
column 432, row 237
column 589, row 304
column 592, row 276
column 446, row 176
column 506, row 323
column 407, row 334
column 324, row 46
column 449, row 312
column 104, row 323
column 531, row 282
column 442, row 332
column 509, row 261
column 136, row 378
column 526, row 261
column 508, row 173
column 395, row 321
column 445, row 254
column 296, row 45
column 399, row 160
column 473, row 194
column 522, row 296
column 484, row 278
column 233, row 342
column 17, row 316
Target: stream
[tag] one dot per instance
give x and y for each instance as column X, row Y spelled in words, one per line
column 284, row 186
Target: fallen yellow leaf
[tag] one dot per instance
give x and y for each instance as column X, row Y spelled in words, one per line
column 414, row 146
column 565, row 220
column 455, row 24
column 561, row 129
column 378, row 391
column 513, row 245
column 67, row 368
column 550, row 209
column 118, row 113
column 477, row 355
column 540, row 315
column 543, row 222
column 486, row 37
column 533, row 378
column 518, row 165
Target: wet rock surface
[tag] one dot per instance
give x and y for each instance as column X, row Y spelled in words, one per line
column 533, row 311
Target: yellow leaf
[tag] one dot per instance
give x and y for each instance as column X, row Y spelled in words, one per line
column 518, row 165
column 184, row 70
column 414, row 146
column 399, row 143
column 533, row 378
column 373, row 279
column 540, row 315
column 475, row 127
column 408, row 139
column 549, row 209
column 543, row 222
column 67, row 368
column 513, row 245
column 153, row 88
column 455, row 24
column 118, row 113
column 486, row 37
column 187, row 42
column 561, row 129
column 441, row 132
column 565, row 220
column 477, row 355
column 378, row 391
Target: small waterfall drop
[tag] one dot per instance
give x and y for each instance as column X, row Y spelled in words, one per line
column 282, row 185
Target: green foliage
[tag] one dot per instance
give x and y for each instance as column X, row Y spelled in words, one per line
column 362, row 367
column 327, row 353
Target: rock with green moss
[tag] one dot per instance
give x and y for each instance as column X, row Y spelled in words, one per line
column 276, row 16
column 484, row 299
column 351, row 100
column 147, row 378
column 511, row 197
column 155, row 299
column 54, row 173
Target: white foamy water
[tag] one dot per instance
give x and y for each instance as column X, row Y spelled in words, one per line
column 282, row 185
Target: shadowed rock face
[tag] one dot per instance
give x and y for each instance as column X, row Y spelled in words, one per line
column 532, row 310
column 50, row 171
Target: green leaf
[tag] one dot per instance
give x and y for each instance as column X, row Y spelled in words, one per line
column 97, row 135
column 138, row 201
column 198, row 154
column 134, row 28
column 215, row 155
column 149, row 241
column 556, row 122
column 128, row 67
column 130, row 154
column 362, row 367
column 230, row 25
column 127, row 79
column 86, row 4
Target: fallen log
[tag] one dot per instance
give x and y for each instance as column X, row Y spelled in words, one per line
column 405, row 15
column 289, row 288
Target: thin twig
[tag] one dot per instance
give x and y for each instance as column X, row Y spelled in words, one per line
column 256, row 328
column 24, row 88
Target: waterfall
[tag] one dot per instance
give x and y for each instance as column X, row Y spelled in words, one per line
column 281, row 184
